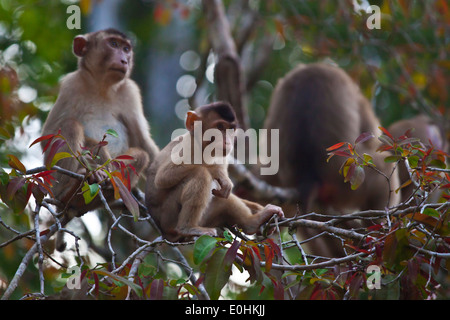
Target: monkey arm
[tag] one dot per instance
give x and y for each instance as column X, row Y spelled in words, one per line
column 225, row 183
column 169, row 175
column 150, row 147
column 253, row 206
column 138, row 136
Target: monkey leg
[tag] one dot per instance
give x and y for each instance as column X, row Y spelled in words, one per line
column 73, row 132
column 195, row 197
column 235, row 211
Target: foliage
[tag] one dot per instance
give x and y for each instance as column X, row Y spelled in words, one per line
column 411, row 249
column 404, row 68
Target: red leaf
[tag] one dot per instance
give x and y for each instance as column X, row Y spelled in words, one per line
column 127, row 198
column 384, row 148
column 124, row 157
column 44, row 173
column 278, row 291
column 275, row 247
column 342, row 153
column 156, row 289
column 350, row 172
column 336, row 146
column 230, row 256
column 378, row 250
column 29, row 191
column 102, row 144
column 262, row 289
column 46, row 187
column 269, row 257
column 316, row 292
column 364, row 137
column 386, row 132
column 133, row 169
column 97, row 286
column 375, row 227
column 256, row 250
column 200, row 280
column 44, row 232
column 49, row 136
column 48, row 144
column 56, row 145
column 14, row 185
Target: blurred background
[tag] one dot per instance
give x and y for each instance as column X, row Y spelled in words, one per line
column 403, row 67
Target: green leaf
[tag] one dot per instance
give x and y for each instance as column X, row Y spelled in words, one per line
column 15, row 163
column 431, row 212
column 396, row 249
column 4, row 177
column 215, row 275
column 357, row 178
column 346, row 168
column 135, row 287
column 60, row 156
column 392, row 159
column 437, row 164
column 4, row 134
column 203, row 247
column 113, row 133
column 90, row 191
column 228, row 235
column 368, row 158
column 413, row 161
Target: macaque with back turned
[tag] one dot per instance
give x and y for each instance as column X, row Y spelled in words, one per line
column 315, row 107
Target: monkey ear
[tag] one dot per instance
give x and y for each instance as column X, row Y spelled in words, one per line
column 79, row 45
column 190, row 119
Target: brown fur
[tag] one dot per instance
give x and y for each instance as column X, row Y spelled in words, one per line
column 314, row 107
column 423, row 128
column 96, row 98
column 181, row 198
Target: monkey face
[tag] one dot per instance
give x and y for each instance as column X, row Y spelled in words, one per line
column 118, row 57
column 222, row 133
column 108, row 56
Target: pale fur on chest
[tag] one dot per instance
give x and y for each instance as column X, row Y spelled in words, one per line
column 96, row 125
column 81, row 100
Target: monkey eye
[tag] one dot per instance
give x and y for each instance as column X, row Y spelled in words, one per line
column 126, row 49
column 113, row 43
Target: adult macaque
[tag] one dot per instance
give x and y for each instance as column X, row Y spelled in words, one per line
column 421, row 127
column 188, row 188
column 99, row 96
column 427, row 131
column 314, row 107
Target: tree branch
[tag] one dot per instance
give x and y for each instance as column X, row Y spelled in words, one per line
column 228, row 69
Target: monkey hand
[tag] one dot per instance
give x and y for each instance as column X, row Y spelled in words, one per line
column 97, row 176
column 275, row 210
column 269, row 212
column 225, row 188
column 193, row 232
